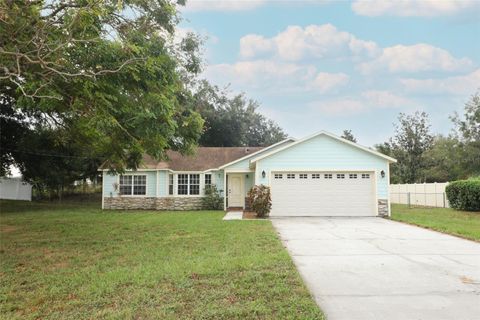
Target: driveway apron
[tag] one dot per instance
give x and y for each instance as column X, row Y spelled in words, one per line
column 374, row 268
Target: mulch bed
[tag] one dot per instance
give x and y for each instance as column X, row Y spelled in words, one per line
column 249, row 215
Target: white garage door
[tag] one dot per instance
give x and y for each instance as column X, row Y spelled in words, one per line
column 323, row 194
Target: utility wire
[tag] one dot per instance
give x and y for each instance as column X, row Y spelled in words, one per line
column 52, row 154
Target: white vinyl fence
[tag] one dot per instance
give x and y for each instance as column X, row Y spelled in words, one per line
column 420, row 194
column 15, row 189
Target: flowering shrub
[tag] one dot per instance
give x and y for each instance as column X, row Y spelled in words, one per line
column 260, row 200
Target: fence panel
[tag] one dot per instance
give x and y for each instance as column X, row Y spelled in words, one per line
column 420, row 194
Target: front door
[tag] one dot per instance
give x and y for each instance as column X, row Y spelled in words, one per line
column 235, row 191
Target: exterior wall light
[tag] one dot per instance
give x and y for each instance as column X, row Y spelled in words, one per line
column 382, row 173
column 263, row 174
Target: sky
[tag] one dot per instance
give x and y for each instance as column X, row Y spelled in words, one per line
column 335, row 65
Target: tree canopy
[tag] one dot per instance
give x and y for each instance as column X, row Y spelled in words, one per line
column 103, row 74
column 348, row 135
column 233, row 121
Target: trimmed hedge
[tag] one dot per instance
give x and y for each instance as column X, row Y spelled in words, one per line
column 464, row 194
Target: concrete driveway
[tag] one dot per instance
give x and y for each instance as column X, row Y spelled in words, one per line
column 373, row 268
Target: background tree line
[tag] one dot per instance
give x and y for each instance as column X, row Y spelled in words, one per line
column 425, row 157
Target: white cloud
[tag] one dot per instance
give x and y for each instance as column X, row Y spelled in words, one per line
column 222, row 5
column 326, row 82
column 427, row 8
column 314, row 41
column 272, row 75
column 253, row 45
column 365, row 102
column 415, row 58
column 385, row 99
column 458, row 85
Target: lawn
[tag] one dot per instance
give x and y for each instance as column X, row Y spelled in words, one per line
column 460, row 223
column 73, row 261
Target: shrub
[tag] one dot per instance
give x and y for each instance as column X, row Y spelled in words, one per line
column 464, row 194
column 260, row 200
column 212, row 199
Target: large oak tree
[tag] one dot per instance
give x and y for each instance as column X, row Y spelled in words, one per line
column 104, row 76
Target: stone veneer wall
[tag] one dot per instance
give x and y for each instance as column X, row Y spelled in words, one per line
column 383, row 207
column 153, row 203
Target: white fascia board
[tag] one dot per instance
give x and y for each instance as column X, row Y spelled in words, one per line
column 257, row 152
column 378, row 154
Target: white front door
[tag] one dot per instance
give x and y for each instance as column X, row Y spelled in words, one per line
column 235, row 191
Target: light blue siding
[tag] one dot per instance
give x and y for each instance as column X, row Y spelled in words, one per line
column 245, row 164
column 218, row 177
column 324, row 153
column 248, row 182
column 110, row 180
column 162, row 183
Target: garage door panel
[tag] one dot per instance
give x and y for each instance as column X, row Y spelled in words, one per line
column 323, row 197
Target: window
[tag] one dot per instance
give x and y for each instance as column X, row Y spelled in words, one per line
column 194, row 184
column 133, row 185
column 208, row 180
column 340, row 176
column 170, row 184
column 315, row 175
column 182, row 184
column 365, row 175
column 126, row 185
column 302, row 176
column 290, row 175
column 327, row 176
column 352, row 176
column 188, row 184
column 139, row 185
column 278, row 176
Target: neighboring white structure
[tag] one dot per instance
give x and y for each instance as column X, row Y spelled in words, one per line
column 420, row 194
column 15, row 189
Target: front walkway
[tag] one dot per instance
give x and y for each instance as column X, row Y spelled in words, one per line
column 233, row 215
column 373, row 268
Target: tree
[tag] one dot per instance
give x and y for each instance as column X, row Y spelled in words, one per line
column 444, row 160
column 411, row 141
column 348, row 135
column 105, row 74
column 468, row 133
column 232, row 121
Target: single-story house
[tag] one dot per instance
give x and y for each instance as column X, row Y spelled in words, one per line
column 320, row 175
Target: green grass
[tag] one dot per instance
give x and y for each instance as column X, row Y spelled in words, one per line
column 73, row 261
column 460, row 223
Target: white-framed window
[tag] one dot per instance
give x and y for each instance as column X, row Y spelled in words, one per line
column 130, row 184
column 352, row 176
column 328, row 176
column 182, row 184
column 290, row 175
column 278, row 176
column 315, row 175
column 170, row 184
column 303, row 176
column 208, row 180
column 365, row 175
column 340, row 176
column 194, row 187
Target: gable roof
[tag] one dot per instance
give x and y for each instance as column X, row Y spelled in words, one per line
column 356, row 145
column 257, row 152
column 204, row 158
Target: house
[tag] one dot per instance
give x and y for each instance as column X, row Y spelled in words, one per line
column 320, row 175
column 15, row 188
